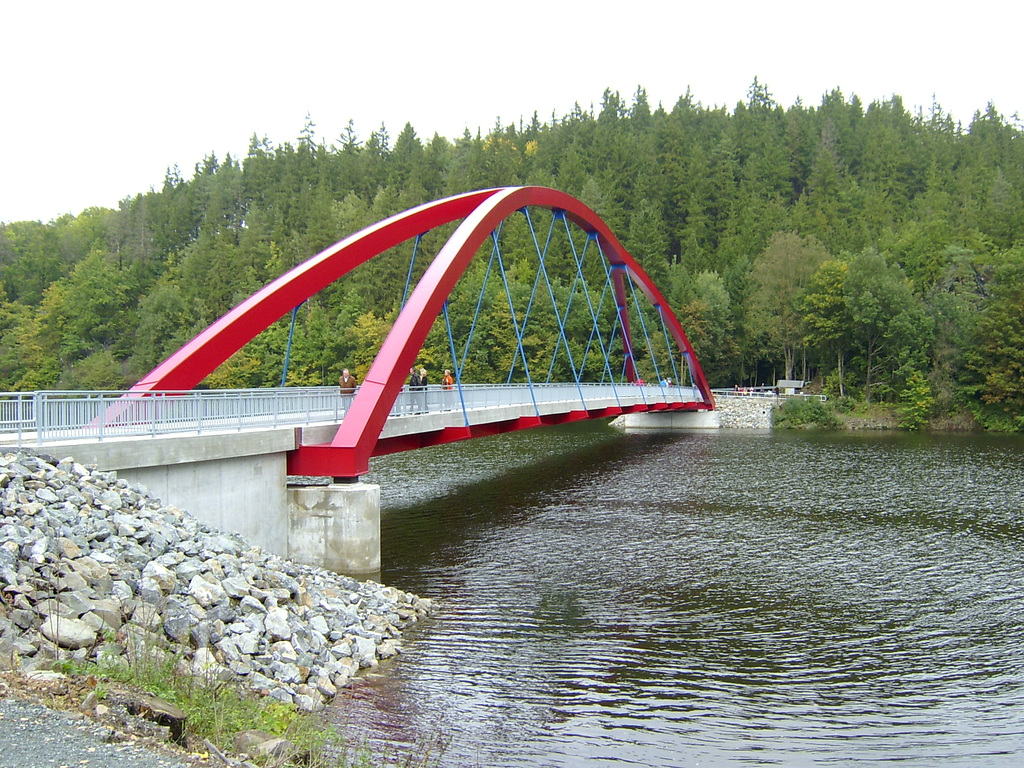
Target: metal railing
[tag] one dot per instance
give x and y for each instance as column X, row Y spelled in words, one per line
column 38, row 418
column 764, row 392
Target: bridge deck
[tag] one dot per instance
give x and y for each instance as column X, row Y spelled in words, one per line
column 47, row 418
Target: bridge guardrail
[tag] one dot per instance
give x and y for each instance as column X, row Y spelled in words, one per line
column 765, row 392
column 49, row 416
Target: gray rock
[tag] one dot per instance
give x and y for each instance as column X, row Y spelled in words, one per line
column 95, row 622
column 205, row 592
column 204, row 662
column 283, row 651
column 23, row 618
column 172, row 587
column 51, row 606
column 307, row 703
column 286, row 673
column 78, row 602
column 364, row 651
column 276, row 624
column 67, row 632
column 260, row 744
column 387, row 649
column 319, row 624
column 109, row 610
column 236, row 587
column 282, row 694
column 323, row 684
column 161, row 576
column 250, row 604
column 178, row 627
column 110, row 499
column 248, row 643
column 146, row 616
column 121, row 591
column 47, row 496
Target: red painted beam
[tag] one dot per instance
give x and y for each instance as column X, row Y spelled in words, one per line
column 568, row 417
column 200, row 357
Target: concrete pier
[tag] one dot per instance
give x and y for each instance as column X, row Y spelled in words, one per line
column 238, row 482
column 335, row 526
column 730, row 413
column 668, row 420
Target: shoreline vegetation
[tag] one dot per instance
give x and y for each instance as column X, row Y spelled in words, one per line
column 848, row 414
column 139, row 618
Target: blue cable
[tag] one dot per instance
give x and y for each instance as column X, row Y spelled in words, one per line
column 519, row 337
column 412, row 263
column 288, row 348
column 458, row 371
column 479, row 301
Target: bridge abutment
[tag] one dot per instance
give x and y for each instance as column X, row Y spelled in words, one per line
column 239, row 482
column 335, row 526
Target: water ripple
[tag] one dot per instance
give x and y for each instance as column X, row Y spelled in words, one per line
column 713, row 599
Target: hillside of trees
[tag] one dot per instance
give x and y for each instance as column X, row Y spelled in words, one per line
column 875, row 252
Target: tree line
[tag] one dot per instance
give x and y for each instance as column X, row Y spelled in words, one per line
column 876, row 252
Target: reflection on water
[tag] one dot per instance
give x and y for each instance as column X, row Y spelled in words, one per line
column 707, row 599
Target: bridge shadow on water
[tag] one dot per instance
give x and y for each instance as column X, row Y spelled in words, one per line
column 434, row 500
column 439, row 508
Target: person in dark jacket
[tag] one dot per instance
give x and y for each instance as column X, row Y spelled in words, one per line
column 417, row 385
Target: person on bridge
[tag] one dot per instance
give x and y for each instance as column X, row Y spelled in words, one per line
column 347, row 383
column 346, row 387
column 447, row 382
column 417, row 384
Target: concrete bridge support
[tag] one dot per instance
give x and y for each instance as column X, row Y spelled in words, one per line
column 729, row 413
column 335, row 526
column 668, row 420
column 238, row 482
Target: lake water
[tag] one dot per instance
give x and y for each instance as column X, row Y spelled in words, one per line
column 705, row 599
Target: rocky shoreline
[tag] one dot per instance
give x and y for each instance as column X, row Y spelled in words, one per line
column 92, row 568
column 751, row 412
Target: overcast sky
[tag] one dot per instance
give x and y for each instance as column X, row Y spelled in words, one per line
column 99, row 99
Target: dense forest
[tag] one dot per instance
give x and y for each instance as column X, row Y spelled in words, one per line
column 875, row 252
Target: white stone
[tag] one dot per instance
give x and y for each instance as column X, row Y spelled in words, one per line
column 206, row 593
column 162, row 577
column 204, row 662
column 68, row 633
column 276, row 624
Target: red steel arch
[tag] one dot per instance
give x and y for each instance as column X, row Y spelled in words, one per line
column 201, row 356
column 349, row 453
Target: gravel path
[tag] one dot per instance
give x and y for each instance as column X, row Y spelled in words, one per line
column 32, row 736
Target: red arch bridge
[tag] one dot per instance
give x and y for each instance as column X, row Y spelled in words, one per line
column 613, row 328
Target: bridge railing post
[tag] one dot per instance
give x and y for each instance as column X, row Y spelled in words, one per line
column 38, row 401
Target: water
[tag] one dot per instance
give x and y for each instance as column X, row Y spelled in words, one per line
column 706, row 599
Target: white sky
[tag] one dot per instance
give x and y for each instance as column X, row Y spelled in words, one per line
column 99, row 99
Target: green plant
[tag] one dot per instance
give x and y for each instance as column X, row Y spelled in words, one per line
column 802, row 413
column 916, row 402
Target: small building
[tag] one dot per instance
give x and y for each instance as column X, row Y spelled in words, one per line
column 789, row 386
